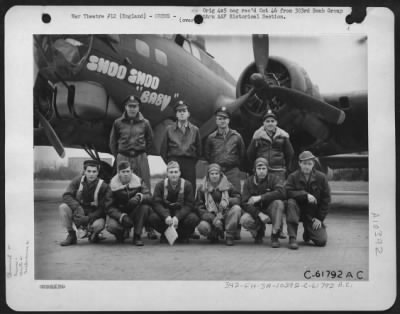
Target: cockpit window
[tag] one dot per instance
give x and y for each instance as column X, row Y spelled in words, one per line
column 196, row 52
column 161, row 57
column 142, row 48
column 186, row 46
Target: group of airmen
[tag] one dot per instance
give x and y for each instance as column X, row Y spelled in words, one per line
column 220, row 207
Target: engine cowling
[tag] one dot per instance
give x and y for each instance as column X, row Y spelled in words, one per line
column 284, row 73
column 280, row 72
column 84, row 100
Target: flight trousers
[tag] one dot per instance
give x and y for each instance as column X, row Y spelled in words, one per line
column 233, row 176
column 295, row 214
column 230, row 221
column 275, row 212
column 185, row 228
column 139, row 215
column 66, row 215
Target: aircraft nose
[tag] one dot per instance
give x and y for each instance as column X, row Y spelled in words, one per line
column 67, row 51
column 62, row 54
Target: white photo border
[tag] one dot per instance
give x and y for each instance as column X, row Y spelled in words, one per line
column 378, row 293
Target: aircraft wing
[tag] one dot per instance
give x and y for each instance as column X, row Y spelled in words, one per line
column 343, row 161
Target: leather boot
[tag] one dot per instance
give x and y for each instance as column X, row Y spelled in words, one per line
column 229, row 241
column 151, row 235
column 275, row 240
column 293, row 243
column 237, row 233
column 120, row 237
column 306, row 236
column 260, row 235
column 137, row 240
column 70, row 240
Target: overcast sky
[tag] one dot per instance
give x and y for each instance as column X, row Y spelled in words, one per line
column 336, row 63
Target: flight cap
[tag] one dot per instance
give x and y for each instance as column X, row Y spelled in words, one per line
column 223, row 112
column 180, row 105
column 132, row 100
column 213, row 167
column 306, row 155
column 261, row 161
column 270, row 114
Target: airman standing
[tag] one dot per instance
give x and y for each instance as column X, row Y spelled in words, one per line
column 182, row 143
column 131, row 139
column 226, row 148
column 273, row 144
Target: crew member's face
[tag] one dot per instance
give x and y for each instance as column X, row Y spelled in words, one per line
column 91, row 173
column 132, row 109
column 174, row 174
column 261, row 171
column 182, row 114
column 214, row 176
column 125, row 175
column 222, row 122
column 270, row 124
column 306, row 166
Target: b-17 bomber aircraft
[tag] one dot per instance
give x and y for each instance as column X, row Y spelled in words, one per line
column 82, row 81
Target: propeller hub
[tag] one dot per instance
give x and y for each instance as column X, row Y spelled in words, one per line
column 257, row 80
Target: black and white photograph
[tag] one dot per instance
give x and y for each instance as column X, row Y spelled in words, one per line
column 192, row 159
column 131, row 98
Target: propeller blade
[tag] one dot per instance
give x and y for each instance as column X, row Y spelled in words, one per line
column 210, row 124
column 51, row 134
column 261, row 52
column 308, row 103
column 237, row 103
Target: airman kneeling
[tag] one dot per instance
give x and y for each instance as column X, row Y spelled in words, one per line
column 218, row 204
column 131, row 204
column 85, row 201
column 173, row 204
column 308, row 201
column 262, row 200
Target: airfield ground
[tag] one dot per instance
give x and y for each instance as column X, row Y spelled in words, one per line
column 346, row 251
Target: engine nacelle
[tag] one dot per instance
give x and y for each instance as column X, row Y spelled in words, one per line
column 284, row 73
column 84, row 100
column 281, row 72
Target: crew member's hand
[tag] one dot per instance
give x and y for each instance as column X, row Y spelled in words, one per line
column 208, row 217
column 175, row 206
column 219, row 216
column 264, row 218
column 169, row 221
column 311, row 199
column 254, row 199
column 175, row 222
column 127, row 222
column 134, row 201
column 316, row 223
column 79, row 211
column 217, row 223
column 81, row 220
column 92, row 217
column 140, row 195
column 223, row 204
